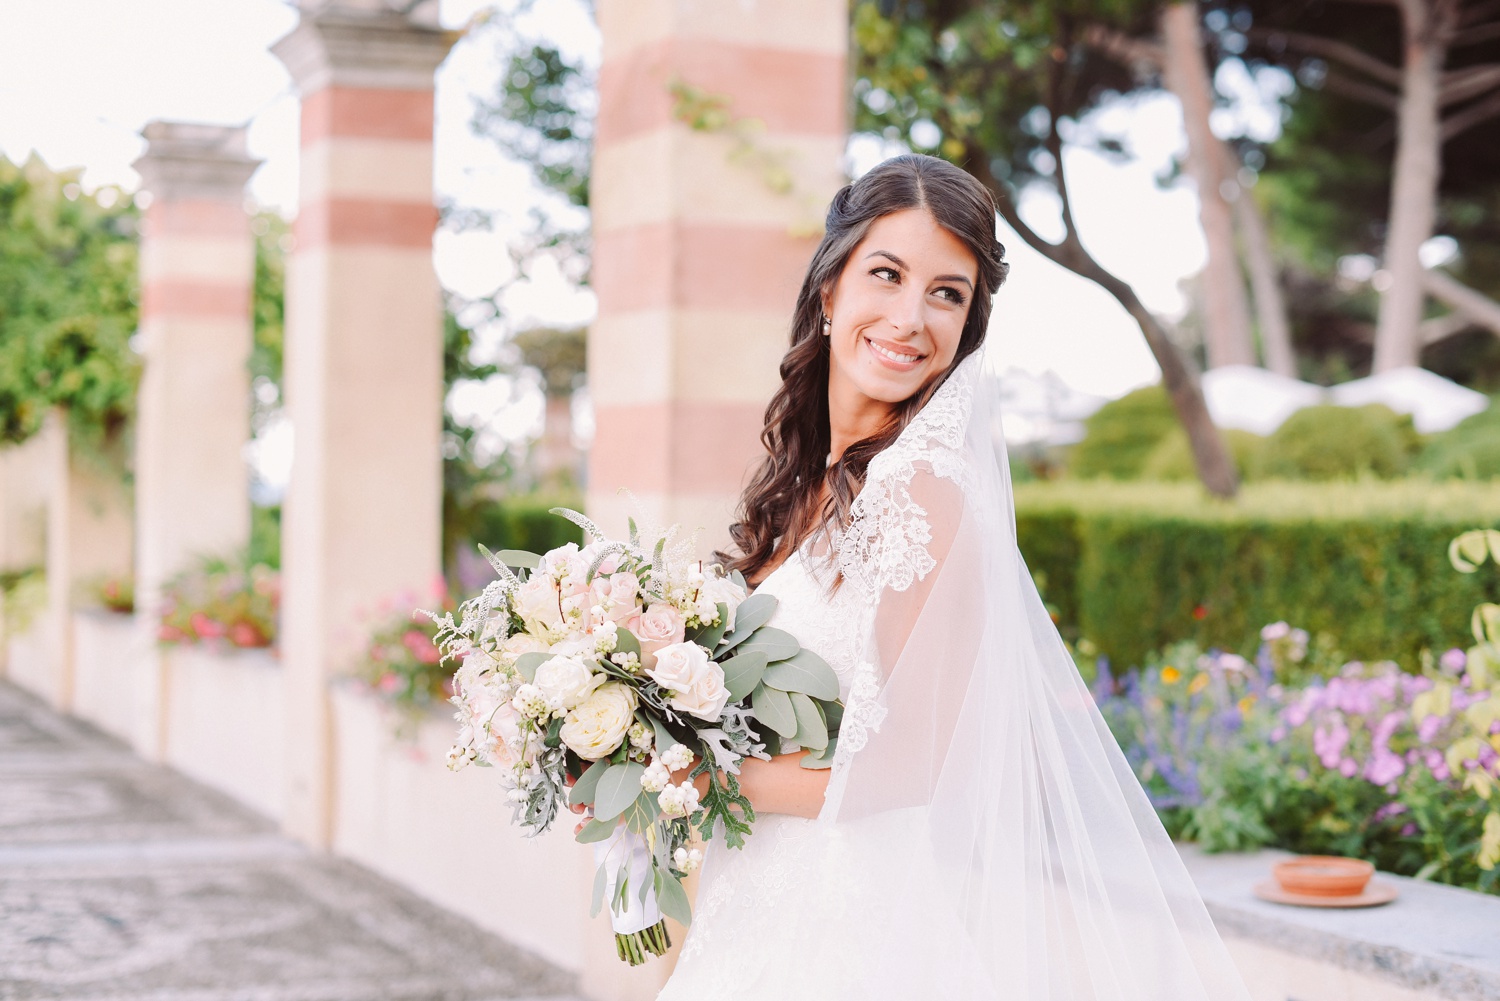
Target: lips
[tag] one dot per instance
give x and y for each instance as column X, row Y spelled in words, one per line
column 894, row 356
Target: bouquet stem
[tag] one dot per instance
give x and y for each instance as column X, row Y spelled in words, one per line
column 633, row 947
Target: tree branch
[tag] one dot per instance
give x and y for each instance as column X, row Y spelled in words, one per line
column 1368, row 93
column 1463, row 84
column 1122, row 48
column 1474, row 114
column 1440, row 328
column 1333, row 51
column 1478, row 13
column 1477, row 306
column 1476, row 35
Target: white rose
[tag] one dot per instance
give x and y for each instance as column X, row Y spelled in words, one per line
column 598, row 725
column 723, row 591
column 521, row 643
column 565, row 681
column 657, row 627
column 696, row 682
column 538, row 603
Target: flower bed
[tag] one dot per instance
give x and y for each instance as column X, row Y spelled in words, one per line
column 400, row 663
column 222, row 603
column 1401, row 768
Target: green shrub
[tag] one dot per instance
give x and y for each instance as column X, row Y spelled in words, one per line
column 1172, row 458
column 1121, row 435
column 525, row 522
column 265, row 536
column 1136, row 567
column 1469, row 451
column 1330, row 442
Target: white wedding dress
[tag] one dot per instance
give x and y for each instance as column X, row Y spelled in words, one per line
column 982, row 836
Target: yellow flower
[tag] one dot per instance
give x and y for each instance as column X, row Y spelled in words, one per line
column 1170, row 675
column 1246, row 704
column 1199, row 682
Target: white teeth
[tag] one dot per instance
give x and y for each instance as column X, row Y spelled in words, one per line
column 893, row 355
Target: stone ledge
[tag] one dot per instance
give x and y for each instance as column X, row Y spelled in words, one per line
column 1436, row 939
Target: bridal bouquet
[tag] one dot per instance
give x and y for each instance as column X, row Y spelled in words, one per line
column 613, row 675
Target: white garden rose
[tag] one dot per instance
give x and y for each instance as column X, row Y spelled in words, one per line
column 566, row 681
column 521, row 643
column 696, row 682
column 538, row 603
column 722, row 590
column 596, row 727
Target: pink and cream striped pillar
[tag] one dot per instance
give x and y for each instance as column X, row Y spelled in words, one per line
column 698, row 247
column 364, row 380
column 197, row 269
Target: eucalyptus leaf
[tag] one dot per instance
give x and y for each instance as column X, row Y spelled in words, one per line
column 625, row 642
column 776, row 644
column 616, row 789
column 754, row 612
column 672, row 899
column 804, row 672
column 642, row 812
column 584, row 789
column 595, row 830
column 601, row 883
column 773, row 707
column 519, row 558
column 527, row 663
column 813, row 762
column 664, row 738
column 812, row 729
column 833, row 712
column 742, row 673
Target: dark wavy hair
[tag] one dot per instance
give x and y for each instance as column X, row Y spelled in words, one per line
column 779, row 509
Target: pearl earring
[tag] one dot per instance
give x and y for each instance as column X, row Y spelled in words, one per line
column 827, row 326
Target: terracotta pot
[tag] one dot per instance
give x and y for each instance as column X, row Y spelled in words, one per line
column 1323, row 875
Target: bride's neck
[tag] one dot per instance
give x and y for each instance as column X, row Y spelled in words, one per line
column 852, row 420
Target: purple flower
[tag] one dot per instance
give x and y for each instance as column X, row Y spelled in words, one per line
column 1384, row 767
column 1329, row 741
column 1391, row 809
column 1348, row 768
column 1409, row 830
column 1429, row 727
column 1453, row 661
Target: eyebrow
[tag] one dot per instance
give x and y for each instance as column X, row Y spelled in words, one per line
column 906, row 267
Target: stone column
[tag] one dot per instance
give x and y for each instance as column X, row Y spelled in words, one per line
column 697, row 254
column 88, row 538
column 364, row 382
column 197, row 272
column 701, row 237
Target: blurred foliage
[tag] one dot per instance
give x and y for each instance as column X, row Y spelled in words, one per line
column 265, row 535
column 1172, row 460
column 268, row 313
column 1133, row 567
column 524, row 521
column 1122, row 435
column 222, row 602
column 468, row 483
column 1471, row 450
column 560, row 355
column 1330, row 442
column 68, row 304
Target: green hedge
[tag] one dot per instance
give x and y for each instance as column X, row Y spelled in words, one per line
column 526, row 522
column 1134, row 567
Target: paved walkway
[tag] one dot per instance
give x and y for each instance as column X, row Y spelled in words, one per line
column 123, row 881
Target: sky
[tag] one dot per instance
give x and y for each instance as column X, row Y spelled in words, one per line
column 79, row 79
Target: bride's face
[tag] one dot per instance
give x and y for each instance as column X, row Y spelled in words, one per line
column 897, row 310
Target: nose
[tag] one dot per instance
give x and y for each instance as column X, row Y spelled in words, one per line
column 907, row 311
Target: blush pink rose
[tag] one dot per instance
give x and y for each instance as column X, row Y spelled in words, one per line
column 658, row 626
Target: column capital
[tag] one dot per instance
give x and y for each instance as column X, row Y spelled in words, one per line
column 191, row 160
column 347, row 45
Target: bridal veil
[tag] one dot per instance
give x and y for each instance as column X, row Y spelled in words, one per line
column 985, row 837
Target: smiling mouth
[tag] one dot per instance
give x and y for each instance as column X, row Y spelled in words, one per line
column 893, row 357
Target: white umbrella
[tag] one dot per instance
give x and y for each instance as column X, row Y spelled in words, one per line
column 1435, row 403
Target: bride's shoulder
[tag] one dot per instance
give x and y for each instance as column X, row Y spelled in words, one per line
column 908, row 510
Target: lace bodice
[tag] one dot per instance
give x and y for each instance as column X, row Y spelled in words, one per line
column 827, row 624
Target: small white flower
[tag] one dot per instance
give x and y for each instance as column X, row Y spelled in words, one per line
column 656, row 777
column 627, row 662
column 641, row 736
column 460, row 756
column 687, row 859
column 677, row 757
column 516, row 795
column 679, row 800
column 529, row 701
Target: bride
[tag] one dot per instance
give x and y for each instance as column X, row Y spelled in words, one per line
column 980, row 835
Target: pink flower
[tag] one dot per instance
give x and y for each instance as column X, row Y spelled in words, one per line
column 1385, row 767
column 1453, row 661
column 1329, row 741
column 1348, row 768
column 205, row 627
column 658, row 626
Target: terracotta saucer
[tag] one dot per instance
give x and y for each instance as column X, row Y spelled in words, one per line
column 1374, row 894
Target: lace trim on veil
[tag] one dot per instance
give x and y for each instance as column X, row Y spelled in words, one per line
column 885, row 543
